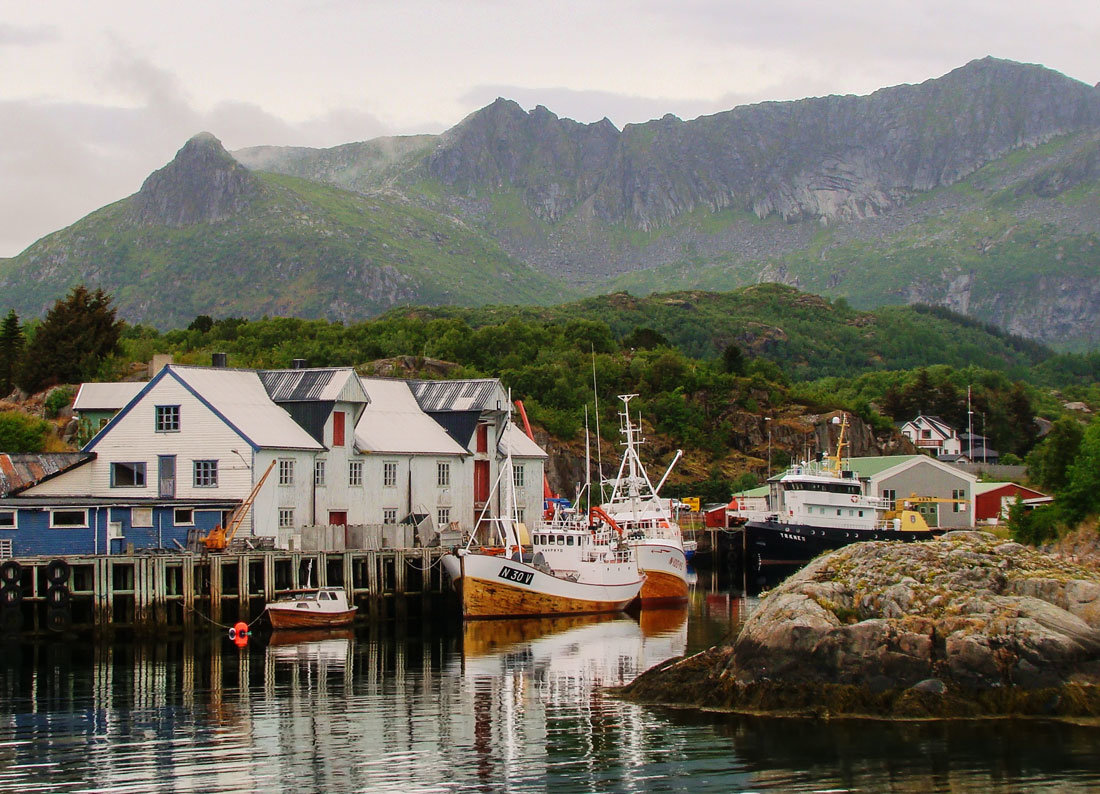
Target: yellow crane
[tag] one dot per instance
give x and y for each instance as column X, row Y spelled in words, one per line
column 907, row 512
column 218, row 538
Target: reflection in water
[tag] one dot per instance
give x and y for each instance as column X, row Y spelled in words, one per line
column 498, row 706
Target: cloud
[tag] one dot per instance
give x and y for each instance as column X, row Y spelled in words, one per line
column 14, row 36
column 63, row 160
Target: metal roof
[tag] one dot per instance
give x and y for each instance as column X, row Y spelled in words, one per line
column 871, row 466
column 20, row 471
column 302, row 385
column 393, row 422
column 519, row 444
column 240, row 398
column 105, row 396
column 484, row 394
column 985, row 487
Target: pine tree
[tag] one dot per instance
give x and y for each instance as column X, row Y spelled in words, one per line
column 77, row 334
column 11, row 351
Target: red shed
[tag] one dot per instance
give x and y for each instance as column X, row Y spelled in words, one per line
column 991, row 498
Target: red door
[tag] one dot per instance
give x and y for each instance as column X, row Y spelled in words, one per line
column 483, row 438
column 481, row 481
column 338, row 518
column 338, row 428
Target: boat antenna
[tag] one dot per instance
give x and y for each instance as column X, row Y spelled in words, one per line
column 599, row 448
column 587, row 461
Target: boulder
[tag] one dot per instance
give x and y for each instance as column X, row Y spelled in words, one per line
column 963, row 625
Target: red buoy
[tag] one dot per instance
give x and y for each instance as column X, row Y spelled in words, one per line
column 239, row 633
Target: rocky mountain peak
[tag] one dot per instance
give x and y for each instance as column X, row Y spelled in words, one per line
column 203, row 183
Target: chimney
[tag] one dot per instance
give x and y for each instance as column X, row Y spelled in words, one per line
column 298, row 363
column 219, row 360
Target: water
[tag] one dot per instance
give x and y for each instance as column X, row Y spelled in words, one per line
column 501, row 706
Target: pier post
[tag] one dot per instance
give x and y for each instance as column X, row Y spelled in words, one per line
column 215, row 588
column 187, row 584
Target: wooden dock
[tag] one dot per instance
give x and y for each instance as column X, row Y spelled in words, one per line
column 158, row 593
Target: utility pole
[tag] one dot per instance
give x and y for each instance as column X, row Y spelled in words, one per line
column 969, row 427
column 768, row 420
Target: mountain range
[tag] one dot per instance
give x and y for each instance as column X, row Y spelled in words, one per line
column 978, row 190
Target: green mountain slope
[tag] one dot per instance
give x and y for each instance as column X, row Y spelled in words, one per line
column 205, row 236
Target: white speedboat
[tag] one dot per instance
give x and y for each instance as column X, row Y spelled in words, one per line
column 311, row 608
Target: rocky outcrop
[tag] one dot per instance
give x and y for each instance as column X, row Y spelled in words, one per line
column 202, row 184
column 965, row 625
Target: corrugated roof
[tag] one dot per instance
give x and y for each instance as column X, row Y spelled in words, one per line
column 393, row 422
column 241, row 398
column 301, row 385
column 20, row 471
column 755, row 492
column 459, row 395
column 105, row 396
column 986, row 487
column 520, row 445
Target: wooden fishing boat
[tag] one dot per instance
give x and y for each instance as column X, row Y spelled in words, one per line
column 311, row 608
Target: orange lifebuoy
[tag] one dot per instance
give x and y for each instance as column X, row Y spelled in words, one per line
column 855, row 498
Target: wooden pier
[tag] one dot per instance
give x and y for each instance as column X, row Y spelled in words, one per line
column 159, row 593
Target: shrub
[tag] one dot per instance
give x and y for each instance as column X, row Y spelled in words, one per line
column 22, row 433
column 59, row 399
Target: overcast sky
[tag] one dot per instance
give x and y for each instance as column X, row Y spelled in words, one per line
column 95, row 95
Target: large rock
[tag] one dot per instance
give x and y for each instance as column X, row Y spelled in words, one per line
column 963, row 625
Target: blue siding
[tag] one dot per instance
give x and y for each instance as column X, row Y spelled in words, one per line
column 33, row 535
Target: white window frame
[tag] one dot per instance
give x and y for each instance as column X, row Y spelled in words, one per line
column 205, row 481
column 389, row 515
column 286, row 518
column 14, row 519
column 891, row 496
column 286, row 471
column 442, row 516
column 166, row 419
column 55, row 511
column 443, row 474
column 518, row 477
column 389, row 474
column 190, row 522
column 958, row 507
column 355, row 473
column 319, row 472
column 5, row 548
column 141, row 517
column 520, row 513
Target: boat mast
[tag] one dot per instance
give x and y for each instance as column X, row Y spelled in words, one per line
column 841, row 443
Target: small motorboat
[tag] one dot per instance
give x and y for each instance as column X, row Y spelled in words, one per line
column 311, row 608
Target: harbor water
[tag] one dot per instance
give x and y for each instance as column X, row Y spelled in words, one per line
column 490, row 706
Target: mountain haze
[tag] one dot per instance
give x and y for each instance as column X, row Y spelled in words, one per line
column 978, row 190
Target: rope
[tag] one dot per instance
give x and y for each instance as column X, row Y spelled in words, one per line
column 412, row 564
column 223, row 625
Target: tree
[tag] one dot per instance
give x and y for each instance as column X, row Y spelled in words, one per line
column 11, row 351
column 77, row 334
column 1081, row 496
column 22, row 433
column 1047, row 463
column 733, row 360
column 203, row 323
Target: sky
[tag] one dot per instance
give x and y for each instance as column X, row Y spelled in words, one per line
column 95, row 96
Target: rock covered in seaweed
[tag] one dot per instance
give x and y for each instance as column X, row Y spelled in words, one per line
column 963, row 625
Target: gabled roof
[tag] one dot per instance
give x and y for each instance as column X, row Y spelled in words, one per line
column 105, row 396
column 326, row 384
column 870, row 466
column 393, row 422
column 754, row 493
column 985, row 487
column 238, row 398
column 935, row 423
column 485, row 394
column 20, row 471
column 516, row 441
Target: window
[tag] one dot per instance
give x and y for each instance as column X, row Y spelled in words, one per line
column 389, row 474
column 141, row 517
column 337, row 428
column 389, row 515
column 5, row 548
column 206, row 473
column 286, row 517
column 355, row 473
column 958, row 507
column 127, row 475
column 286, row 472
column 926, row 434
column 183, row 517
column 443, row 516
column 68, row 519
column 318, row 472
column 517, row 476
column 520, row 512
column 167, row 419
column 443, row 474
column 891, row 496
column 7, row 519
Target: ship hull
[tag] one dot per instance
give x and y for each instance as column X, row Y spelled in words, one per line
column 772, row 543
column 665, row 569
column 495, row 587
column 308, row 619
